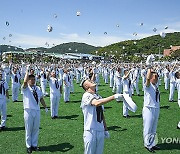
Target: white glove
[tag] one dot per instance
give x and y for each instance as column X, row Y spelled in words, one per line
column 118, row 96
column 46, row 110
column 150, row 60
column 106, row 134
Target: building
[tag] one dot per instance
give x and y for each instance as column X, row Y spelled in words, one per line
column 36, row 56
column 167, row 52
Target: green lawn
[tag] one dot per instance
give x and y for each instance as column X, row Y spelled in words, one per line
column 64, row 135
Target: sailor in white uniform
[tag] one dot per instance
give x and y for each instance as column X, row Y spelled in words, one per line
column 118, row 81
column 172, row 84
column 95, row 129
column 135, row 80
column 177, row 75
column 43, row 81
column 106, row 74
column 71, row 75
column 4, row 98
column 66, row 85
column 111, row 75
column 126, row 90
column 55, row 93
column 151, row 110
column 15, row 80
column 78, row 75
column 166, row 77
column 32, row 96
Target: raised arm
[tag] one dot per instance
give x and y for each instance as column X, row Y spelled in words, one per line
column 148, row 77
column 26, row 78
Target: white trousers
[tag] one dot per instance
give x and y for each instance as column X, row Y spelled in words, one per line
column 93, row 142
column 150, row 121
column 77, row 78
column 97, row 78
column 135, row 85
column 171, row 92
column 125, row 109
column 54, row 99
column 43, row 87
column 179, row 97
column 32, row 123
column 15, row 92
column 66, row 93
column 111, row 81
column 72, row 87
column 106, row 78
column 7, row 78
column 166, row 82
column 114, row 87
column 3, row 111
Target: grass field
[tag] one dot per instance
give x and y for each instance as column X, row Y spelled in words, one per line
column 64, row 135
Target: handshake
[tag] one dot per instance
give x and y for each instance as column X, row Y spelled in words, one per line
column 118, row 97
column 150, row 59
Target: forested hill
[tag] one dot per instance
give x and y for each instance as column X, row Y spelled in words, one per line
column 146, row 45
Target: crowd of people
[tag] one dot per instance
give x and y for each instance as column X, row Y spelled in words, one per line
column 122, row 78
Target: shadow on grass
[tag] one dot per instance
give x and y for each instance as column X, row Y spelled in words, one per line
column 14, row 128
column 78, row 101
column 136, row 116
column 63, row 147
column 18, row 101
column 116, row 128
column 71, row 117
column 170, row 146
column 164, row 107
column 43, row 107
column 107, row 107
column 9, row 115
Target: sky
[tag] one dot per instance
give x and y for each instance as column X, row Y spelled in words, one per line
column 101, row 22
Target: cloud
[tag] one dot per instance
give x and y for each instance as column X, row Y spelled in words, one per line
column 28, row 41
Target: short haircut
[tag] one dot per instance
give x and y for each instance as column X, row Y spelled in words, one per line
column 154, row 73
column 31, row 76
column 82, row 83
column 177, row 75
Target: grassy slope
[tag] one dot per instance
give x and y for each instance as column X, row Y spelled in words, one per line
column 65, row 134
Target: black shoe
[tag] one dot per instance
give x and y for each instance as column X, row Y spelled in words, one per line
column 126, row 116
column 29, row 150
column 150, row 150
column 55, row 117
column 15, row 101
column 35, row 148
column 178, row 127
column 156, row 148
column 2, row 128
